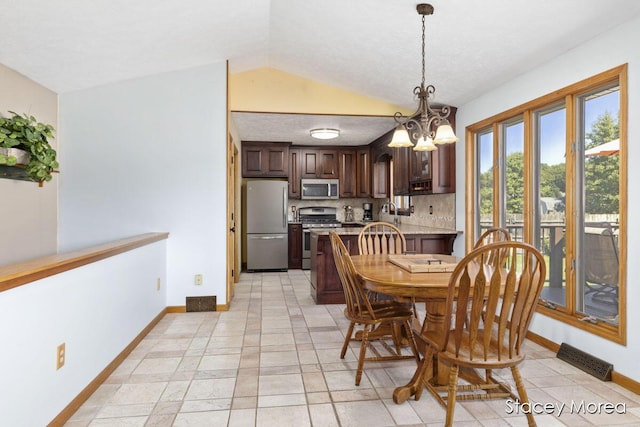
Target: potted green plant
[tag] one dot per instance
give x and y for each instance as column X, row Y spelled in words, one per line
column 23, row 142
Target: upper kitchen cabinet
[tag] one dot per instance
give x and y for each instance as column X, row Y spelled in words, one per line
column 380, row 166
column 265, row 159
column 443, row 172
column 347, row 173
column 444, row 169
column 295, row 155
column 420, row 171
column 319, row 163
column 363, row 172
column 401, row 158
column 380, row 180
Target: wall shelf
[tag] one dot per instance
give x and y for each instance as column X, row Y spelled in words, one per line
column 17, row 173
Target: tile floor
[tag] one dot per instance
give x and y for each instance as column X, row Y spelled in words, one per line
column 273, row 360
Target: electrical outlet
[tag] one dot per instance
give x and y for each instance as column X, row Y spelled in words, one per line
column 198, row 279
column 158, row 284
column 61, row 355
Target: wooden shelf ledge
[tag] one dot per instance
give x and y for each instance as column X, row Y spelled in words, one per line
column 21, row 273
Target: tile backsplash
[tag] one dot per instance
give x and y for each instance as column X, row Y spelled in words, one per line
column 441, row 206
column 339, row 204
column 432, row 210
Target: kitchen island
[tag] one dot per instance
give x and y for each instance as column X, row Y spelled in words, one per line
column 325, row 282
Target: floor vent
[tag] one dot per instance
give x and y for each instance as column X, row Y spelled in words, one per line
column 588, row 363
column 201, row 304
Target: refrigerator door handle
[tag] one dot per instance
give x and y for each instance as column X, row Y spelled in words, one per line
column 266, row 237
column 284, row 207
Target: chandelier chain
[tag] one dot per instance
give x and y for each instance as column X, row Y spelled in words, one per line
column 423, row 60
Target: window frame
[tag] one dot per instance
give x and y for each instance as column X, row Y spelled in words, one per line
column 566, row 96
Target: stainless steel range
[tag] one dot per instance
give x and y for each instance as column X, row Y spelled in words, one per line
column 314, row 217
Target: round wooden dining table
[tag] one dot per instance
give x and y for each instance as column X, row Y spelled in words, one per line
column 382, row 276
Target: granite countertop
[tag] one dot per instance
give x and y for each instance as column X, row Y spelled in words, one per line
column 405, row 228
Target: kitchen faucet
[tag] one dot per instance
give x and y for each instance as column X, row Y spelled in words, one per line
column 385, row 208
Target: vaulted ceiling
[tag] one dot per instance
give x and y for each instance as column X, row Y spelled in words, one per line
column 369, row 47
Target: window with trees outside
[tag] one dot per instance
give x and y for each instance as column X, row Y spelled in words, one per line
column 553, row 172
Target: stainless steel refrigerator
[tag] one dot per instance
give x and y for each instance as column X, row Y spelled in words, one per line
column 267, row 239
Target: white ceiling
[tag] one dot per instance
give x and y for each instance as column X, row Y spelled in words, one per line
column 294, row 128
column 370, row 47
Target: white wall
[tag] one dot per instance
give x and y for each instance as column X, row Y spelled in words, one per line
column 29, row 213
column 96, row 310
column 149, row 155
column 602, row 53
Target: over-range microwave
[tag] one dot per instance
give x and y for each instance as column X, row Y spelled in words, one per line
column 319, row 188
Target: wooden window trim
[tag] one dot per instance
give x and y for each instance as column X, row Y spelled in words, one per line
column 567, row 95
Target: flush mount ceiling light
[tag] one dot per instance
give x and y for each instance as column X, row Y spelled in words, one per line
column 425, row 126
column 325, row 133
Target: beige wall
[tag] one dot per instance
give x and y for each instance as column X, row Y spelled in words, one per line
column 28, row 213
column 271, row 90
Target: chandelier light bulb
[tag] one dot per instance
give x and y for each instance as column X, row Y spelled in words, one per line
column 425, row 144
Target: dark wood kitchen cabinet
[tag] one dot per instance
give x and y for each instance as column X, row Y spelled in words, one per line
column 420, row 167
column 326, row 287
column 363, row 172
column 443, row 174
column 294, row 173
column 319, row 163
column 347, row 173
column 380, row 180
column 381, row 156
column 265, row 159
column 295, row 246
column 401, row 158
column 433, row 172
column 443, row 163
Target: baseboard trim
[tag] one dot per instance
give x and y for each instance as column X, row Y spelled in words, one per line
column 616, row 377
column 76, row 403
column 540, row 340
column 183, row 308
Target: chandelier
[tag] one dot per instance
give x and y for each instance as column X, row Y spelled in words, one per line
column 426, row 126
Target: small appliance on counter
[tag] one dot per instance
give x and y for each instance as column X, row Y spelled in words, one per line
column 348, row 213
column 368, row 212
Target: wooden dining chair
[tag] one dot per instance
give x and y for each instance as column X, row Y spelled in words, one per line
column 492, row 235
column 360, row 310
column 502, row 301
column 381, row 238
